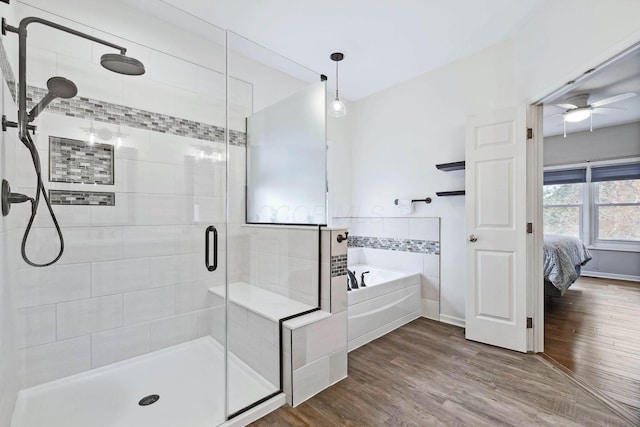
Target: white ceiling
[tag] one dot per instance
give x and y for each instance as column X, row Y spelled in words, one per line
column 619, row 77
column 384, row 41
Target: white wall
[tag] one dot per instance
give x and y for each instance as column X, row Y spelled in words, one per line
column 564, row 38
column 400, row 134
column 612, row 142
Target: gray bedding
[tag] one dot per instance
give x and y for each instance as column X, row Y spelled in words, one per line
column 561, row 256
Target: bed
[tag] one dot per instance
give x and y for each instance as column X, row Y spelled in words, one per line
column 563, row 258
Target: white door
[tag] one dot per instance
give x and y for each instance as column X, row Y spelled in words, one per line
column 496, row 229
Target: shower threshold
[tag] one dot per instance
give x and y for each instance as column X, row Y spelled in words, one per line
column 188, row 380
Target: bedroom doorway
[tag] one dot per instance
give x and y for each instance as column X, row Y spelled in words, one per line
column 590, row 205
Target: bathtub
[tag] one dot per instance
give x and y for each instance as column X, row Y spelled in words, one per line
column 390, row 299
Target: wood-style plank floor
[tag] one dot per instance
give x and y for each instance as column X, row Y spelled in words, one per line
column 594, row 331
column 425, row 373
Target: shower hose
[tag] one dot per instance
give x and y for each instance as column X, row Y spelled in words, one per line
column 40, row 190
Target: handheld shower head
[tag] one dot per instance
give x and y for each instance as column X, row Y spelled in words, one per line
column 59, row 87
column 62, row 88
column 122, row 64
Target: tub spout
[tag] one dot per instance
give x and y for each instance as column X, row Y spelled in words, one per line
column 352, row 283
column 362, row 279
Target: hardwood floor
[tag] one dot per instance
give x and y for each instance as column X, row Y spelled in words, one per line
column 425, row 373
column 594, row 331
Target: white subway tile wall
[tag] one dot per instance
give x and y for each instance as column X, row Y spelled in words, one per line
column 132, row 279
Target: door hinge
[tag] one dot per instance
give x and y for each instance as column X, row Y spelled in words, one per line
column 529, row 133
column 529, row 322
column 529, row 228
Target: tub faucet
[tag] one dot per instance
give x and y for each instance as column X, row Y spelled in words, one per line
column 352, row 283
column 362, row 279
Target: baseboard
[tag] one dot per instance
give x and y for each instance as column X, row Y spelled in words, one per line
column 614, row 276
column 431, row 309
column 383, row 330
column 452, row 320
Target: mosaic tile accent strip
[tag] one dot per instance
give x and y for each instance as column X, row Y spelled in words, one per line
column 403, row 245
column 78, row 162
column 88, row 198
column 7, row 72
column 339, row 265
column 92, row 109
column 237, row 138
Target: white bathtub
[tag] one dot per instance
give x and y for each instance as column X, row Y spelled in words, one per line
column 390, row 299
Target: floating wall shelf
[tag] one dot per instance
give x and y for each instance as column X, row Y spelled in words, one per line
column 450, row 193
column 449, row 167
column 453, row 166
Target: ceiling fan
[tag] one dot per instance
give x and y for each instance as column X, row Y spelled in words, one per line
column 577, row 107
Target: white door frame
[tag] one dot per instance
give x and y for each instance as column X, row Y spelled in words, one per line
column 535, row 275
column 535, row 256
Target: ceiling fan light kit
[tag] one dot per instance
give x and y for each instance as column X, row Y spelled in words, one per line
column 577, row 114
column 577, row 108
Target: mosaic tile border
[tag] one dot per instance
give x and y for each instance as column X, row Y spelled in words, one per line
column 391, row 244
column 107, row 112
column 339, row 265
column 7, row 72
column 79, row 198
column 78, row 162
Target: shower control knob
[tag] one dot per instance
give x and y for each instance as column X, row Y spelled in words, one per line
column 473, row 238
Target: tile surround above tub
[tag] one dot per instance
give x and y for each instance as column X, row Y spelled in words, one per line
column 100, row 111
column 78, row 162
column 392, row 244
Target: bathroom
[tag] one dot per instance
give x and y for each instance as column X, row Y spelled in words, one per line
column 152, row 160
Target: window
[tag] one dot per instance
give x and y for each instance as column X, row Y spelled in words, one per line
column 562, row 212
column 616, row 201
column 611, row 213
column 563, row 201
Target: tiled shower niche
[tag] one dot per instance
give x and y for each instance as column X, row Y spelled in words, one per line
column 79, row 162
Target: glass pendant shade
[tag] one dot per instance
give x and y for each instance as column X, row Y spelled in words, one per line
column 337, row 108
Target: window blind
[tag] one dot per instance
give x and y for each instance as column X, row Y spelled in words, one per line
column 615, row 172
column 565, row 176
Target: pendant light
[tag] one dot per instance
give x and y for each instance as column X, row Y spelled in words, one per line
column 337, row 107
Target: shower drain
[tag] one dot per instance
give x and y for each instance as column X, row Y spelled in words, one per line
column 149, row 400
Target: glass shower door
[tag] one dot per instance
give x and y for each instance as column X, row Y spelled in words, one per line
column 276, row 201
column 123, row 330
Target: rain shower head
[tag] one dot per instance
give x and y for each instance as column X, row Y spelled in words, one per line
column 122, row 64
column 59, row 87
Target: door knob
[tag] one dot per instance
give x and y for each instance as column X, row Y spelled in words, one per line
column 473, row 238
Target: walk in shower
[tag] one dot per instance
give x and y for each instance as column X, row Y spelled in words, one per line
column 165, row 306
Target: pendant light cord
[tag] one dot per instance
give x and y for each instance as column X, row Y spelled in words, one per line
column 337, row 85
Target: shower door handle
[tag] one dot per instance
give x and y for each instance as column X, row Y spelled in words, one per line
column 207, row 242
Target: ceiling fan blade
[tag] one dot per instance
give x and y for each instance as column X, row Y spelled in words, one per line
column 613, row 99
column 607, row 110
column 567, row 106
